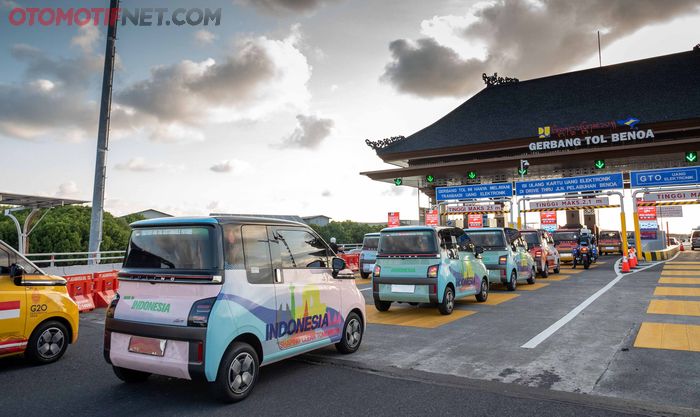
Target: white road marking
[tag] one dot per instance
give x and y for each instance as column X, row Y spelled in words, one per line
column 366, row 289
column 544, row 335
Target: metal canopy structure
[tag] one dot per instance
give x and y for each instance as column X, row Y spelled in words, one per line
column 34, row 203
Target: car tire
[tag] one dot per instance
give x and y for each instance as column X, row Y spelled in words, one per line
column 545, row 271
column 352, row 334
column 484, row 292
column 382, row 305
column 47, row 343
column 237, row 374
column 447, row 305
column 364, row 275
column 513, row 283
column 130, row 376
column 558, row 268
column 533, row 273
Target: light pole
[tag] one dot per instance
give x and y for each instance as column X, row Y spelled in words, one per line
column 524, row 165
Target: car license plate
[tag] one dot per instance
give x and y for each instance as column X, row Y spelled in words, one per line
column 147, row 346
column 609, row 247
column 403, row 288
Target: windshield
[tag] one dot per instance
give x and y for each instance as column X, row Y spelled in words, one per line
column 531, row 238
column 414, row 242
column 609, row 235
column 370, row 243
column 565, row 236
column 696, row 234
column 171, row 248
column 487, row 238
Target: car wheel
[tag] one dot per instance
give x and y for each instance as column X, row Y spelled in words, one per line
column 448, row 301
column 531, row 280
column 484, row 292
column 382, row 305
column 352, row 334
column 47, row 343
column 545, row 271
column 364, row 275
column 130, row 376
column 238, row 372
column 558, row 268
column 513, row 283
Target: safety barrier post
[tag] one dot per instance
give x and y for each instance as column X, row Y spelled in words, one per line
column 80, row 290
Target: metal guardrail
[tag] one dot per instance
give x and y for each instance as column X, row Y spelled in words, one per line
column 75, row 257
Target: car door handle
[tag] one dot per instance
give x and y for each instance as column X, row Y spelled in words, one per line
column 278, row 276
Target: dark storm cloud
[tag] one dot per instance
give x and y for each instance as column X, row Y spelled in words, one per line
column 309, row 133
column 285, row 6
column 523, row 39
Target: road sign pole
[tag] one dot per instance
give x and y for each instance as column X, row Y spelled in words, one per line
column 623, row 226
column 637, row 233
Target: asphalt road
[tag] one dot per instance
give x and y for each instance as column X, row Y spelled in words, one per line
column 82, row 384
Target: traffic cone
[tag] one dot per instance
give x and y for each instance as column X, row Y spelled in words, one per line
column 625, row 265
column 682, row 249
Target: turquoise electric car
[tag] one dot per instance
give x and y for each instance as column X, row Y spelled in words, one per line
column 505, row 255
column 420, row 264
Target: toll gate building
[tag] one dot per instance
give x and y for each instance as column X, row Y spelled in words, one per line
column 636, row 115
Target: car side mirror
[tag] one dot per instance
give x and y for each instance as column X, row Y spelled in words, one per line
column 337, row 265
column 479, row 250
column 17, row 273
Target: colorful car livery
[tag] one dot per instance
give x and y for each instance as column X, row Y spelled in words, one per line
column 213, row 299
column 420, row 264
column 505, row 255
column 37, row 317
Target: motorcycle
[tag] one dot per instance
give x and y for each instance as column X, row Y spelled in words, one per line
column 585, row 254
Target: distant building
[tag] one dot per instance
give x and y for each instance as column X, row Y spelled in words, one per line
column 150, row 214
column 320, row 220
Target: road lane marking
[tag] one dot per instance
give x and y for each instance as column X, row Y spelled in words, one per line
column 557, row 277
column 362, row 281
column 682, row 281
column 677, row 273
column 678, row 291
column 668, row 336
column 682, row 267
column 366, row 289
column 674, row 307
column 546, row 333
column 493, row 300
column 531, row 287
column 423, row 317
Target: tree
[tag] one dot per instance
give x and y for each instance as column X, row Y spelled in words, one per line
column 67, row 229
column 346, row 231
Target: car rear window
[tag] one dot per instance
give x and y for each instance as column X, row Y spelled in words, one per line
column 189, row 248
column 370, row 243
column 565, row 236
column 487, row 239
column 610, row 235
column 531, row 238
column 696, row 234
column 417, row 242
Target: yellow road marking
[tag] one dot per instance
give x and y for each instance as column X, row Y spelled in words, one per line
column 676, row 273
column 683, row 281
column 533, row 287
column 695, row 267
column 680, row 291
column 557, row 277
column 676, row 307
column 427, row 318
column 668, row 336
column 493, row 300
column 682, row 263
column 362, row 281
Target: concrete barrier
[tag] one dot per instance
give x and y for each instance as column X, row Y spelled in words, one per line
column 661, row 255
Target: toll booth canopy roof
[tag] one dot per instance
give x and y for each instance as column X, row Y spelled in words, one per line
column 32, row 201
column 659, row 89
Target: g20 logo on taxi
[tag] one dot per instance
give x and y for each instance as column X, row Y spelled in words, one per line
column 38, row 308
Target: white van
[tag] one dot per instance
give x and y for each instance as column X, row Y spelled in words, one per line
column 213, row 299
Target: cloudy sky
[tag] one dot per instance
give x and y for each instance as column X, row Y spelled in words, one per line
column 268, row 112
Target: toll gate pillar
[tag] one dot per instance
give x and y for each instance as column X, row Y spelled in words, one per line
column 573, row 217
column 590, row 220
column 500, row 220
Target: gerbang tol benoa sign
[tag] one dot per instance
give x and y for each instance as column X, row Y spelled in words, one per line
column 554, row 137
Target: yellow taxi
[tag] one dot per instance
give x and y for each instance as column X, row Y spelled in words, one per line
column 37, row 317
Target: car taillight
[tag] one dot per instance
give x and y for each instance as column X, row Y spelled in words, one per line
column 377, row 271
column 199, row 313
column 433, row 271
column 502, row 260
column 112, row 306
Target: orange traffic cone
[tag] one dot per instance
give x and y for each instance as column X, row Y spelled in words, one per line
column 625, row 265
column 682, row 249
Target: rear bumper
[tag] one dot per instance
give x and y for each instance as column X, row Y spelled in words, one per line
column 367, row 266
column 425, row 289
column 184, row 351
